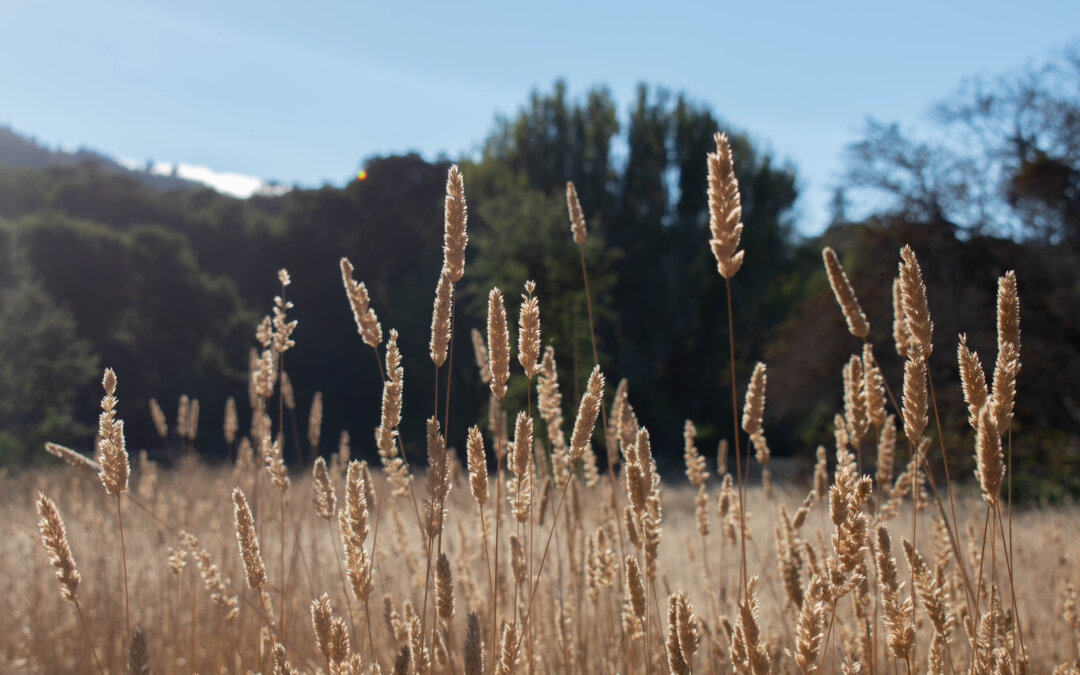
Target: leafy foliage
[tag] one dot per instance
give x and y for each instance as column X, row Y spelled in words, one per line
column 1001, row 156
column 168, row 286
column 44, row 365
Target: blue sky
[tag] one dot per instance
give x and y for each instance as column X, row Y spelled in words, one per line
column 301, row 92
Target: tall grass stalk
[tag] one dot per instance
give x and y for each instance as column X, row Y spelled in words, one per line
column 578, row 228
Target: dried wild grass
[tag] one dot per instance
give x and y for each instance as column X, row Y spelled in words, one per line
column 845, row 296
column 725, row 209
column 825, row 597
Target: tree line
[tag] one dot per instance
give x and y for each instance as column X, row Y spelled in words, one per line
column 166, row 287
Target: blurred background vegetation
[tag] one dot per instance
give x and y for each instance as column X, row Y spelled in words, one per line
column 164, row 280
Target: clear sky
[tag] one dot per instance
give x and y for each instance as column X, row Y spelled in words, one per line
column 303, row 91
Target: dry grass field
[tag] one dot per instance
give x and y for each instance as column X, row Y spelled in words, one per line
column 530, row 553
column 187, row 631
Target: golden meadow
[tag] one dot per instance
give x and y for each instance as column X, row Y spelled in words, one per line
column 520, row 554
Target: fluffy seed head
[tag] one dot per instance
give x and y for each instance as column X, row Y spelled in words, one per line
column 636, row 487
column 282, row 329
column 357, row 562
column 158, row 415
column 550, row 400
column 367, row 324
column 193, row 418
column 323, row 486
column 264, row 376
column 1003, row 396
column 754, row 407
column 138, row 653
column 438, row 478
column 855, row 412
column 695, row 463
column 845, row 296
column 396, row 470
column 481, row 352
column 639, row 472
column 886, row 454
column 315, row 415
column 873, row 387
column 643, row 456
column 635, row 587
column 916, row 308
column 444, row 588
column 915, row 399
column 287, row 392
column 368, row 483
column 232, row 423
column 520, row 453
column 989, row 461
column 478, row 474
column 281, row 665
column 587, row 412
column 899, row 325
column 402, row 660
column 1008, row 311
column 498, row 343
column 112, row 453
column 176, row 559
column 529, row 334
column 810, row 631
column 821, row 474
column 508, row 650
column 725, row 209
column 357, row 508
column 248, row 541
column 440, row 319
column 76, row 459
column 339, row 640
column 898, row 613
column 682, row 638
column 54, row 536
column 930, row 591
column 746, row 649
column 474, row 647
column 973, row 380
column 577, row 218
column 455, row 215
column 322, row 615
column 274, row 461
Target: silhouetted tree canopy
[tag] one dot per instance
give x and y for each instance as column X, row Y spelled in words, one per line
column 103, row 269
column 1000, row 156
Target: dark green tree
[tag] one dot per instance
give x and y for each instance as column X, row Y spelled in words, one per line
column 659, row 325
column 44, row 364
column 525, row 234
column 554, row 139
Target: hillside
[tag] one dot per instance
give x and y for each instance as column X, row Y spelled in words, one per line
column 18, row 151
